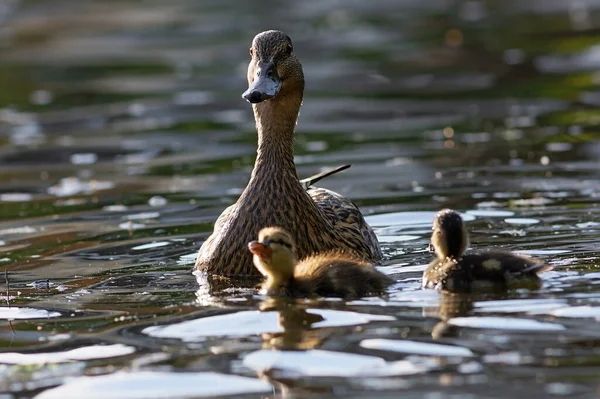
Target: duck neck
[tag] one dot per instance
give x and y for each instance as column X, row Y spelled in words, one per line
column 275, row 123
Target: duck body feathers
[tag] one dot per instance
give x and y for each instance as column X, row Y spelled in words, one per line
column 482, row 271
column 347, row 220
column 332, row 274
column 321, row 220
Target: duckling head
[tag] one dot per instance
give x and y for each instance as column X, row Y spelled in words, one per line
column 449, row 238
column 274, row 255
column 274, row 69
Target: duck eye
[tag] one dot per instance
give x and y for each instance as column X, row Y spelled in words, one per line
column 282, row 243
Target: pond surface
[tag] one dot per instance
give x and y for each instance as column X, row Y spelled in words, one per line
column 123, row 136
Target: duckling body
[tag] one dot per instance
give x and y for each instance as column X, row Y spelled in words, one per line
column 321, row 220
column 454, row 271
column 331, row 274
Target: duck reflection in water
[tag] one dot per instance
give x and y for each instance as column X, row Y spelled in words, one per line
column 296, row 324
column 451, row 305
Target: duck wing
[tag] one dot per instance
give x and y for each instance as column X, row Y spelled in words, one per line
column 309, row 181
column 347, row 223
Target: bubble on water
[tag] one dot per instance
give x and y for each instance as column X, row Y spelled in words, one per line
column 506, row 195
column 157, row 385
column 72, row 185
column 416, row 347
column 157, row 200
column 490, row 204
column 136, row 109
column 131, row 226
column 87, row 158
column 521, row 221
column 537, row 201
column 577, row 312
column 41, row 97
column 489, row 213
column 18, row 313
column 587, row 225
column 84, row 353
column 18, row 230
column 15, row 197
column 514, row 56
column 530, row 306
column 188, row 259
column 151, row 245
column 321, row 363
column 143, row 216
column 513, row 358
column 505, row 323
column 115, row 208
column 558, row 147
column 41, row 284
column 559, row 388
column 514, row 233
column 316, row 146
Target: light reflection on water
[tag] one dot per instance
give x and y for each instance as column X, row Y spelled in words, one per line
column 123, row 136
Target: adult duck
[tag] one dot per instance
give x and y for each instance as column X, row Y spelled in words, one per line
column 329, row 274
column 455, row 271
column 319, row 219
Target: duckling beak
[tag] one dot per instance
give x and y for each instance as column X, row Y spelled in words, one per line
column 259, row 249
column 266, row 84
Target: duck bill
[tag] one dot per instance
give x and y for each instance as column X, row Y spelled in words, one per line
column 266, row 84
column 260, row 249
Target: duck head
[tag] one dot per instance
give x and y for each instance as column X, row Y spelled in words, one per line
column 274, row 255
column 449, row 238
column 274, row 70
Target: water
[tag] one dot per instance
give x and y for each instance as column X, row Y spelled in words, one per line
column 123, row 136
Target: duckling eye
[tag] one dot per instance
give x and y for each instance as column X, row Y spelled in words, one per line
column 281, row 242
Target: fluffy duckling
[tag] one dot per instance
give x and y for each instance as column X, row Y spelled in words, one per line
column 456, row 272
column 328, row 274
column 321, row 220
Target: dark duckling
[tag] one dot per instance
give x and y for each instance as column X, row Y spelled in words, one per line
column 321, row 220
column 456, row 272
column 330, row 274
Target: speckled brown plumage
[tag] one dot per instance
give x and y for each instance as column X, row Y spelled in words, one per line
column 319, row 219
column 330, row 274
column 456, row 272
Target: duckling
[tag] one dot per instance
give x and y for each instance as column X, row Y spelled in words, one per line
column 332, row 273
column 321, row 220
column 453, row 271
